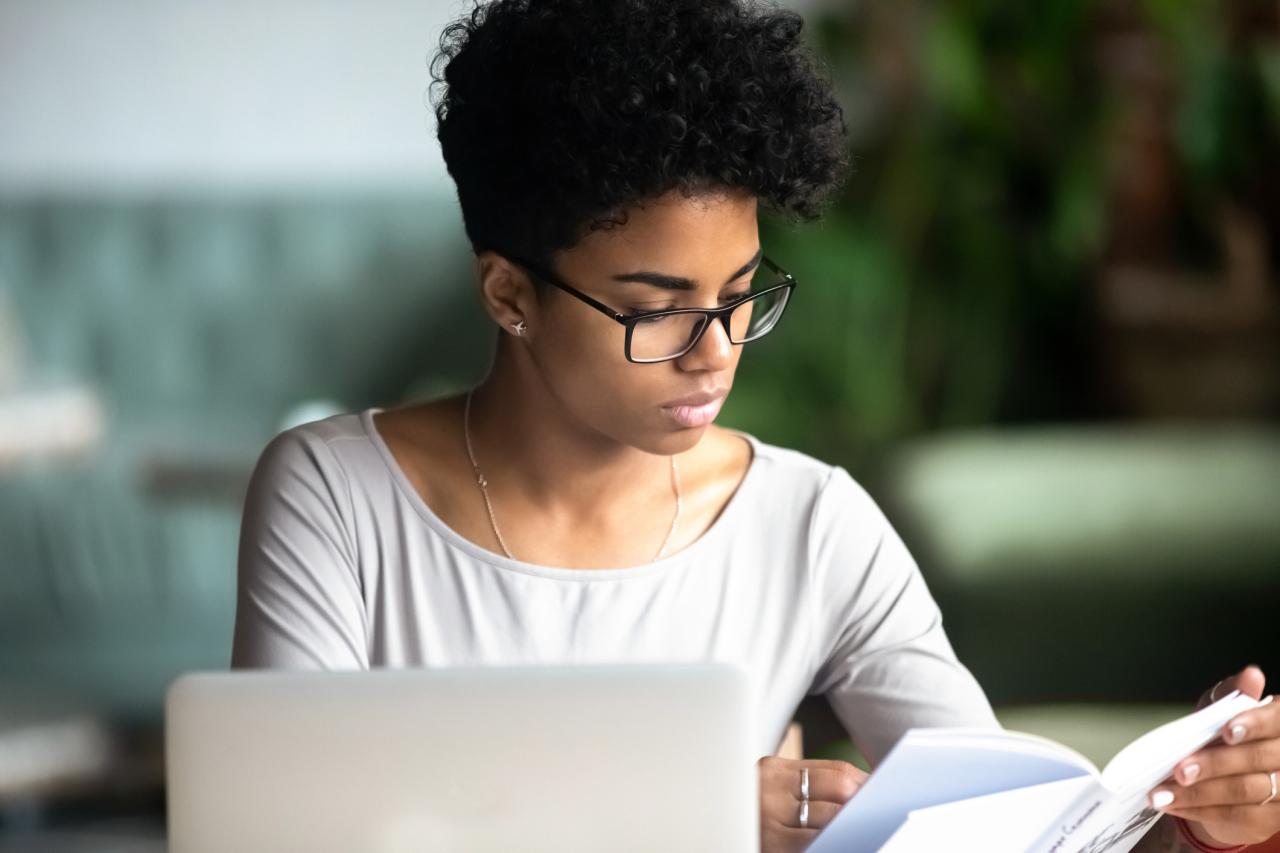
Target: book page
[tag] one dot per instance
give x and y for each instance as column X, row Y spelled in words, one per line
column 940, row 783
column 1115, row 821
column 1102, row 822
column 1152, row 757
column 928, row 767
column 1007, row 821
column 1007, row 740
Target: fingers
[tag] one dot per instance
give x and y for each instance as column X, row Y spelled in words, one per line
column 1249, row 680
column 1245, row 790
column 820, row 814
column 1252, row 743
column 829, row 781
column 831, row 785
column 1216, row 692
column 784, row 839
column 1254, row 724
column 1224, row 761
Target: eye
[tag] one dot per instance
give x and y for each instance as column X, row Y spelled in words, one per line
column 644, row 317
column 725, row 299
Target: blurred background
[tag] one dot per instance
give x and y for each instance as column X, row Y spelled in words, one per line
column 1041, row 325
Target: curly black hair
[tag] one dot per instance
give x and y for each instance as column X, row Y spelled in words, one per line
column 558, row 115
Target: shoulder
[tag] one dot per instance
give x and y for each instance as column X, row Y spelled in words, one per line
column 836, row 524
column 314, row 439
column 309, row 453
column 365, row 455
column 823, row 486
column 298, row 518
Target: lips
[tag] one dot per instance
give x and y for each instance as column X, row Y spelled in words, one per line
column 696, row 410
column 700, row 399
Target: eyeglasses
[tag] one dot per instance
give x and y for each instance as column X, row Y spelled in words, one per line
column 654, row 336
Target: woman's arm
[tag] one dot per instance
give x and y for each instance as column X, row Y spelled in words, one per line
column 886, row 662
column 299, row 603
column 883, row 661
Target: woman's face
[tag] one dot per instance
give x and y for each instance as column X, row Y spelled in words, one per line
column 580, row 353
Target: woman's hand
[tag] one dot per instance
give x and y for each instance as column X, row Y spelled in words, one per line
column 1220, row 789
column 831, row 785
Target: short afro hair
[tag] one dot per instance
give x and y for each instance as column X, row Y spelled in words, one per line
column 560, row 114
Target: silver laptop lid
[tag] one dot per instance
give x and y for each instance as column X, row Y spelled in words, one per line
column 565, row 758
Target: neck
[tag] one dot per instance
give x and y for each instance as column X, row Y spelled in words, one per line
column 527, row 442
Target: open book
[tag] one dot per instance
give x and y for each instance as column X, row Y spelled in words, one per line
column 1008, row 792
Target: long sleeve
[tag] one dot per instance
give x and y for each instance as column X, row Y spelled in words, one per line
column 298, row 596
column 887, row 664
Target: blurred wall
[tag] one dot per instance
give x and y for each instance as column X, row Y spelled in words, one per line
column 226, row 95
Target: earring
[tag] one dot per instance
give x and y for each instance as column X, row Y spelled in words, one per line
column 519, row 328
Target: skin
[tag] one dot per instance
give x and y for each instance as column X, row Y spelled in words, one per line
column 1221, row 801
column 575, row 446
column 569, row 434
column 572, row 439
column 831, row 785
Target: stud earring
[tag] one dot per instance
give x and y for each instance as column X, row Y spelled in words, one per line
column 519, row 328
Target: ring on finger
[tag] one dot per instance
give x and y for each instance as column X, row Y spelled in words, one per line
column 804, row 797
column 1212, row 693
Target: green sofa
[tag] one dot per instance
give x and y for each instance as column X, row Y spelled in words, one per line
column 201, row 323
column 1095, row 579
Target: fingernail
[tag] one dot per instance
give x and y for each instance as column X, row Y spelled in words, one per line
column 1267, row 701
column 1160, row 799
column 1236, row 734
column 1190, row 773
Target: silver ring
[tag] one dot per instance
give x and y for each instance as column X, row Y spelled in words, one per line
column 804, row 797
column 1272, row 777
column 1212, row 696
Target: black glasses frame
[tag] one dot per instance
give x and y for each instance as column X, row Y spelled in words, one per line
column 630, row 321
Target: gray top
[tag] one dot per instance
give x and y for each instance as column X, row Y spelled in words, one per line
column 801, row 580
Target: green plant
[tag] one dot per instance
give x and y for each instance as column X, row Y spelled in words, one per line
column 949, row 286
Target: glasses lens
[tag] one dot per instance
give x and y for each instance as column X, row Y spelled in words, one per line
column 663, row 337
column 756, row 317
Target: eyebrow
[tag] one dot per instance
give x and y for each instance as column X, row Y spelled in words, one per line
column 675, row 282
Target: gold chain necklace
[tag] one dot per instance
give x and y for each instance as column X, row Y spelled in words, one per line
column 484, row 486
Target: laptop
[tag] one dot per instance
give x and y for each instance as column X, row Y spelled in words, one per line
column 564, row 758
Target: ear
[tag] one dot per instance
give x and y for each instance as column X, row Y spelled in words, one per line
column 506, row 293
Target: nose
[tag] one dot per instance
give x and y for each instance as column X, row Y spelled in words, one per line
column 713, row 351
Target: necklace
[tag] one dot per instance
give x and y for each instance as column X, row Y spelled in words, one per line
column 484, row 486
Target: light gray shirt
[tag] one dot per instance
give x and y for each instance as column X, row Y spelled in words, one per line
column 801, row 581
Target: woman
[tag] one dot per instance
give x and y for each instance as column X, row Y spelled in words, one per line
column 579, row 505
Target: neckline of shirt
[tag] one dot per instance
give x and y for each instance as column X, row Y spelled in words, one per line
column 718, row 529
